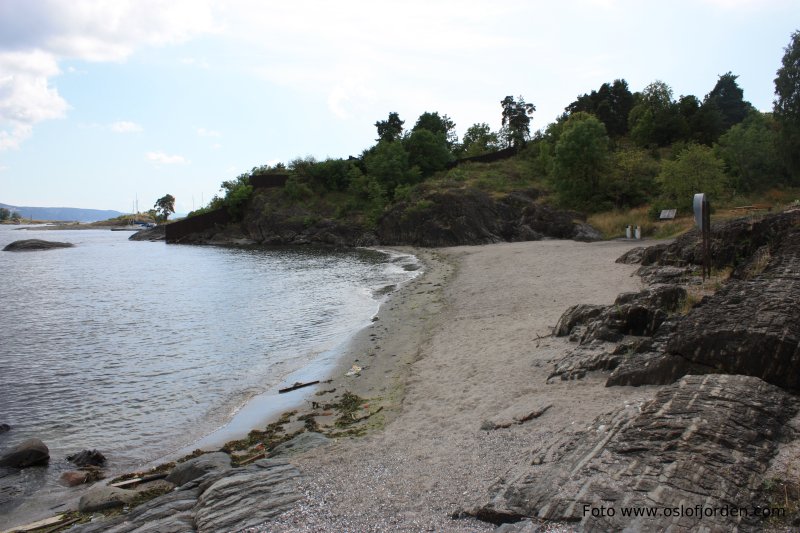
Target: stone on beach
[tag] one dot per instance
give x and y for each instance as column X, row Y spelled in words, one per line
column 301, row 443
column 101, row 498
column 31, row 452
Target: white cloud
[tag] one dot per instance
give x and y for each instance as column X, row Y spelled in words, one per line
column 165, row 159
column 202, row 132
column 124, row 126
column 35, row 36
column 216, row 146
column 25, row 96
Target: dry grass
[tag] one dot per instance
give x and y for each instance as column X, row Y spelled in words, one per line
column 612, row 224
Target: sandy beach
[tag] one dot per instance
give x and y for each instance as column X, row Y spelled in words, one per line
column 465, row 344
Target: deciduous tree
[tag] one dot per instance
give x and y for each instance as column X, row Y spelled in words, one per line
column 787, row 106
column 165, row 206
column 390, row 129
column 696, row 169
column 581, row 160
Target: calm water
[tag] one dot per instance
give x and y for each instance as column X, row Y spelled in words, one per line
column 138, row 349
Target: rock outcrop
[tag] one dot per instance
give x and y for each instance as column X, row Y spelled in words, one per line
column 701, row 445
column 157, row 233
column 32, row 452
column 471, row 216
column 102, row 498
column 32, row 245
column 218, row 501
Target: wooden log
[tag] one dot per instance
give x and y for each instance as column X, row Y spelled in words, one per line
column 296, row 386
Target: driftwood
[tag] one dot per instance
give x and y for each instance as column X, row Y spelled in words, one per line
column 253, row 458
column 137, row 480
column 296, row 386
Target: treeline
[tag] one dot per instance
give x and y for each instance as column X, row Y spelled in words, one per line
column 611, row 148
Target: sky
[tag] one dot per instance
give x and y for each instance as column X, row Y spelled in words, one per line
column 106, row 102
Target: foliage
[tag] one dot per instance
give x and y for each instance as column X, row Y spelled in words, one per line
column 390, row 129
column 389, row 164
column 333, row 174
column 165, row 206
column 581, row 159
column 427, row 151
column 516, row 120
column 697, row 169
column 237, row 194
column 478, row 140
column 750, row 152
column 5, row 214
column 611, row 104
column 369, row 196
column 728, row 98
column 439, row 125
column 631, row 181
column 656, row 120
column 295, row 190
column 787, row 106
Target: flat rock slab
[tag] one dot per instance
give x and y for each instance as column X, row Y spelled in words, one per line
column 199, row 466
column 516, row 414
column 303, row 442
column 101, row 498
column 32, row 245
column 704, row 441
column 219, row 501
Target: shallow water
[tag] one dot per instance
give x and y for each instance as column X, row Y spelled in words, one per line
column 138, row 349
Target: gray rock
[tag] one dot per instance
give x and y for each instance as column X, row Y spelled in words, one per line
column 100, row 498
column 87, row 458
column 248, row 498
column 576, row 315
column 32, row 245
column 632, row 256
column 586, row 233
column 301, row 443
column 219, row 501
column 199, row 466
column 704, row 441
column 31, row 452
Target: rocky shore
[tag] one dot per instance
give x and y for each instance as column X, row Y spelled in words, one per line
column 532, row 386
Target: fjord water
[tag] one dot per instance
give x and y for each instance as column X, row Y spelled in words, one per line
column 138, row 348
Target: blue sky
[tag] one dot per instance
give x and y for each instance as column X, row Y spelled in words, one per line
column 102, row 102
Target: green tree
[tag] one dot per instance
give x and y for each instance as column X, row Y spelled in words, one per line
column 581, row 160
column 787, row 106
column 165, row 206
column 729, row 100
column 516, row 121
column 390, row 129
column 611, row 104
column 5, row 214
column 479, row 139
column 15, row 216
column 440, row 125
column 631, row 180
column 656, row 119
column 750, row 152
column 388, row 163
column 427, row 151
column 696, row 169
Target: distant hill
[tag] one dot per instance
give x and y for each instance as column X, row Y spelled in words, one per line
column 63, row 213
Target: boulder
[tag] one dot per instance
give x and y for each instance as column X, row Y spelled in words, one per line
column 75, row 478
column 199, row 466
column 704, row 441
column 87, row 458
column 101, row 498
column 4, row 428
column 31, row 452
column 303, row 442
column 31, row 245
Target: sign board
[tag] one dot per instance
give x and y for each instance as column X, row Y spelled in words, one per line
column 667, row 214
column 697, row 207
